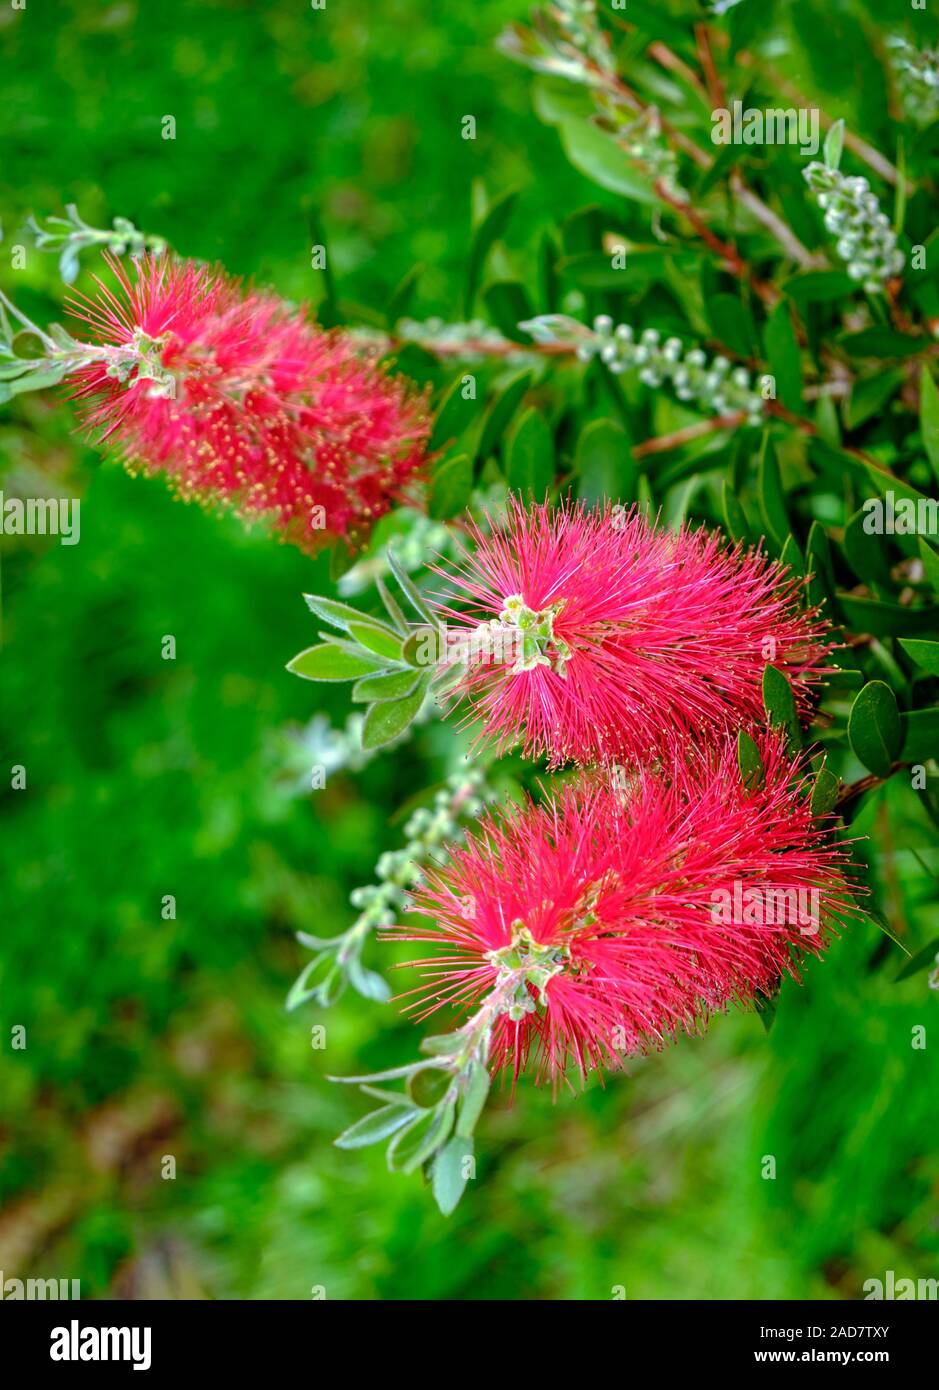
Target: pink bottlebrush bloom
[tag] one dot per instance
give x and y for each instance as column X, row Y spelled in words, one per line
column 607, row 637
column 239, row 399
column 625, row 911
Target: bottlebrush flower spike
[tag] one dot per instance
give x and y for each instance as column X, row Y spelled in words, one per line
column 239, row 399
column 594, row 636
column 606, row 921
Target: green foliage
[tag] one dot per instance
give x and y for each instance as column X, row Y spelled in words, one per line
column 151, row 1033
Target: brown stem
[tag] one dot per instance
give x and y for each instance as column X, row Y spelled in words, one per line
column 664, row 442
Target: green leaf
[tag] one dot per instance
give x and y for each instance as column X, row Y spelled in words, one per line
column 869, row 395
column 920, row 735
column 922, row 960
column 331, row 663
column 36, row 380
column 772, row 497
column 501, row 412
column 508, row 304
column 450, row 487
column 749, row 762
column 866, row 552
column 874, row 730
column 780, row 705
column 818, row 564
column 408, row 587
column 604, row 464
column 824, row 793
column 377, row 640
column 930, row 559
column 880, row 343
column 421, row 648
column 379, row 1125
column 530, row 456
column 429, row 1086
column 865, row 615
column 475, row 1092
column 792, row 556
column 732, row 323
column 392, row 608
column 402, row 295
column 784, row 356
column 834, row 143
column 819, row 286
column 392, row 685
column 340, row 614
column 455, row 414
column 734, row 515
column 598, row 155
column 451, row 1173
column 389, row 718
column 925, row 654
column 489, row 230
column 929, row 417
column 766, row 1008
column 423, row 1142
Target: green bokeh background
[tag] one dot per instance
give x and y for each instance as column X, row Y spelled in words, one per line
column 148, row 777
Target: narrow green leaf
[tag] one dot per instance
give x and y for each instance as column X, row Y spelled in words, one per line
column 456, row 413
column 489, row 230
column 604, row 464
column 772, row 497
column 874, row 730
column 452, row 1168
column 401, row 296
column 925, row 654
column 501, row 412
column 780, row 705
column 865, row 615
column 922, row 960
column 393, row 685
column 410, row 589
column 389, row 718
column 450, row 487
column 766, row 1005
column 749, row 762
column 930, row 559
column 331, row 663
column 834, row 143
column 734, row 515
column 824, row 793
column 929, row 417
column 340, row 614
column 375, row 1127
column 819, row 286
column 475, row 1091
column 784, row 356
column 530, row 456
column 920, row 735
column 377, row 640
column 392, row 608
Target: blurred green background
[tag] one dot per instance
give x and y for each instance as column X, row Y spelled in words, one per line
column 149, row 1037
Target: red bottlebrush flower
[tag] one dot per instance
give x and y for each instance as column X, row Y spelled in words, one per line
column 605, row 921
column 609, row 638
column 239, row 399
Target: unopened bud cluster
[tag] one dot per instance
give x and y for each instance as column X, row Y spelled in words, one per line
column 866, row 242
column 430, row 827
column 714, row 383
column 917, row 77
column 640, row 136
